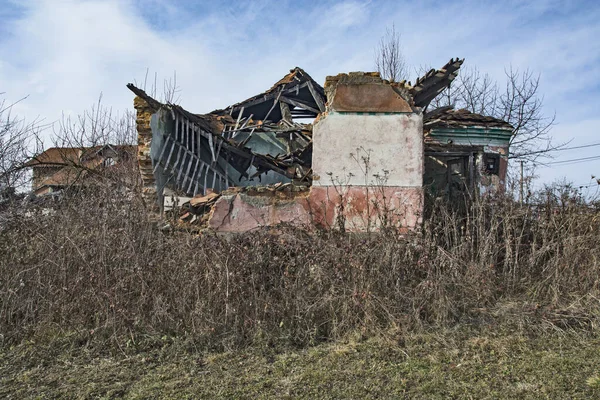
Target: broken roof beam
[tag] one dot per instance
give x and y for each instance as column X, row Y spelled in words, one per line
column 296, row 86
column 244, row 153
column 318, row 98
column 429, row 86
column 211, row 127
column 154, row 104
column 299, row 104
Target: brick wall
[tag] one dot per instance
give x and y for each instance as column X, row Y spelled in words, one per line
column 144, row 115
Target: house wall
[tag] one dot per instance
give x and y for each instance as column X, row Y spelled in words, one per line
column 368, row 170
column 474, row 141
column 367, row 156
column 243, row 211
column 494, row 182
column 392, row 143
column 41, row 173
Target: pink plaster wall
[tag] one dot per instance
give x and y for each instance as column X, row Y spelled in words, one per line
column 241, row 212
column 359, row 208
column 365, row 208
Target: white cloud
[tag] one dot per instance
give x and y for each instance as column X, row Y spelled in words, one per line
column 64, row 53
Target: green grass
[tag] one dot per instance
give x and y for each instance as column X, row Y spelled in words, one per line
column 436, row 365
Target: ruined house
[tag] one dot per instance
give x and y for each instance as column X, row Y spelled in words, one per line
column 60, row 167
column 365, row 159
column 465, row 151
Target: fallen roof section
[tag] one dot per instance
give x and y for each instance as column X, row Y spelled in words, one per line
column 294, row 95
column 449, row 118
column 430, row 85
column 197, row 150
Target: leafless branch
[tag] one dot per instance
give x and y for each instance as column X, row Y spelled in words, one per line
column 389, row 60
column 518, row 103
column 19, row 140
column 98, row 126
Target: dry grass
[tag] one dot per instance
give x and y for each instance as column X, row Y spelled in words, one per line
column 441, row 365
column 98, row 266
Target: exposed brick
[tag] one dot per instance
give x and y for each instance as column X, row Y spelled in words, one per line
column 144, row 115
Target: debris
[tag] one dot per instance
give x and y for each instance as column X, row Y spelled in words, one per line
column 204, row 200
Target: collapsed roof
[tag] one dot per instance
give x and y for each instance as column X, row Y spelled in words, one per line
column 214, row 151
column 256, row 137
column 297, row 91
column 430, row 85
column 447, row 117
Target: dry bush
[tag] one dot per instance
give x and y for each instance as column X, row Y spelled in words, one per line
column 95, row 263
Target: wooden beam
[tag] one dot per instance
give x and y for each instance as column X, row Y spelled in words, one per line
column 237, row 123
column 273, row 106
column 316, row 96
column 244, row 154
column 299, row 104
column 211, row 146
column 286, row 115
column 267, row 97
column 162, row 153
column 193, row 175
column 198, row 178
column 183, row 144
column 296, row 88
column 173, row 146
column 188, row 152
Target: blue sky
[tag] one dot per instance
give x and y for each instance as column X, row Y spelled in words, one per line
column 64, row 53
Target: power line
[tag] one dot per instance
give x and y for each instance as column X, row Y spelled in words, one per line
column 592, row 182
column 574, row 160
column 559, row 149
column 577, row 147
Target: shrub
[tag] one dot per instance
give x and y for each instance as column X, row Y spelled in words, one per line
column 97, row 264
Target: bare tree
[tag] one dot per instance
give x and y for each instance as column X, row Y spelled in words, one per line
column 522, row 106
column 389, row 60
column 170, row 93
column 516, row 101
column 99, row 129
column 78, row 138
column 98, row 126
column 18, row 142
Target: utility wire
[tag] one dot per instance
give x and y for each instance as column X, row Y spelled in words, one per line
column 560, row 149
column 574, row 160
column 576, row 147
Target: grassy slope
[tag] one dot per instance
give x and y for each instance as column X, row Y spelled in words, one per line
column 448, row 365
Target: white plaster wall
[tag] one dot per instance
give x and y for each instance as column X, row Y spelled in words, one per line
column 395, row 143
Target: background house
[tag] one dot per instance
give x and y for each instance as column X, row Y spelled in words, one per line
column 60, row 167
column 465, row 151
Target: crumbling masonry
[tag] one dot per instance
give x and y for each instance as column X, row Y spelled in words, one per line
column 359, row 165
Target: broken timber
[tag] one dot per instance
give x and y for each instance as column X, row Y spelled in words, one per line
column 197, row 151
column 195, row 155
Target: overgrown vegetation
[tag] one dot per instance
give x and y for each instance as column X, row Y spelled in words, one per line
column 95, row 264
